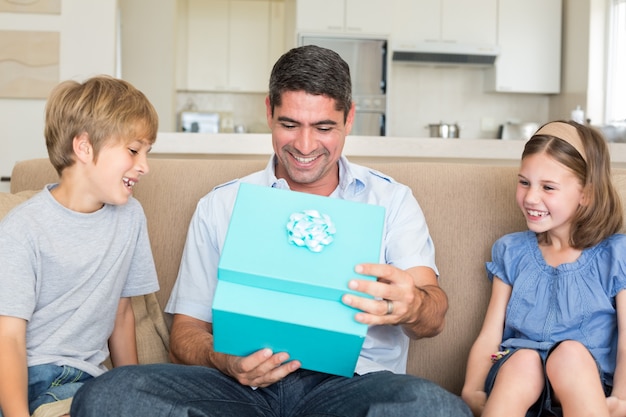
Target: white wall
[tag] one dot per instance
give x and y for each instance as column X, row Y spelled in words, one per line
column 88, row 47
column 583, row 79
column 148, row 43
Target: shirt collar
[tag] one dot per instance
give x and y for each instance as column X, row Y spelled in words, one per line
column 350, row 184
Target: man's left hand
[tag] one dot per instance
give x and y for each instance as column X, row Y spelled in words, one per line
column 409, row 297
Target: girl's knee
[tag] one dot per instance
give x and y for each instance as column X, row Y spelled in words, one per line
column 523, row 365
column 569, row 347
column 571, row 361
column 567, row 354
column 524, row 361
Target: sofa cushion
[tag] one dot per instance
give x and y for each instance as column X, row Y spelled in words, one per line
column 151, row 330
column 8, row 201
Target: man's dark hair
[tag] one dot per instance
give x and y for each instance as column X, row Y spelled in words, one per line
column 314, row 70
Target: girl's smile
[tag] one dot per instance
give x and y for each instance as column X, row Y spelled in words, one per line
column 548, row 193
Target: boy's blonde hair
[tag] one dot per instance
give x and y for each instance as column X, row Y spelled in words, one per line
column 104, row 107
column 602, row 215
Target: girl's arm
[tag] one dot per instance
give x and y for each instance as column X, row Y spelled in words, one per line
column 617, row 400
column 486, row 344
column 123, row 342
column 13, row 367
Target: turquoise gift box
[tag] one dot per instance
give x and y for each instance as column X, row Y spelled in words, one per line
column 272, row 293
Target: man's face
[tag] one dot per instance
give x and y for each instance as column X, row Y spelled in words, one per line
column 308, row 135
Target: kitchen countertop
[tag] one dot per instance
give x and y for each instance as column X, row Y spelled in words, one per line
column 357, row 148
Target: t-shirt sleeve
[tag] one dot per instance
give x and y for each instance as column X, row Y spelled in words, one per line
column 17, row 275
column 142, row 276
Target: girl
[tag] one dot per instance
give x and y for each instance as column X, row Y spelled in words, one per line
column 553, row 342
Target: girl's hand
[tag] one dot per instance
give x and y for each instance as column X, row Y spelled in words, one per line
column 617, row 407
column 476, row 401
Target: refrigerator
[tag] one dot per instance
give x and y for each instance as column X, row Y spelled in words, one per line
column 367, row 59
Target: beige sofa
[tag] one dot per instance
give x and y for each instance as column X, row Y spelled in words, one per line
column 467, row 208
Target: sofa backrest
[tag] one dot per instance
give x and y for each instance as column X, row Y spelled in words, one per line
column 467, row 207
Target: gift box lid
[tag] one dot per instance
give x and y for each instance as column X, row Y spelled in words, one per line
column 259, row 249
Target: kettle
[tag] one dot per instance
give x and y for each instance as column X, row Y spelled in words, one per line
column 444, row 130
column 518, row 131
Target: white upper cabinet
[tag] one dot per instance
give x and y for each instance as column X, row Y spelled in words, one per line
column 529, row 35
column 249, row 57
column 343, row 16
column 207, row 44
column 368, row 16
column 445, row 21
column 469, row 21
column 415, row 21
column 320, row 15
column 232, row 44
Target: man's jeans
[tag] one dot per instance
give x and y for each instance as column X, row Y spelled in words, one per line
column 180, row 390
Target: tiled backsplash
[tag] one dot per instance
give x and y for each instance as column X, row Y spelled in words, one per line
column 235, row 109
column 421, row 95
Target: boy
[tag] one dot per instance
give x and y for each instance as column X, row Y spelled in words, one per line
column 74, row 254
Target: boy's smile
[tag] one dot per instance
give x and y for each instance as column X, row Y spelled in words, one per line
column 129, row 183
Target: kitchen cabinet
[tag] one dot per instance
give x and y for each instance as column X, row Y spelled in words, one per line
column 232, row 44
column 447, row 21
column 343, row 16
column 529, row 36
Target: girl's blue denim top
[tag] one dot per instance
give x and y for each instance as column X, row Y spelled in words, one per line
column 574, row 301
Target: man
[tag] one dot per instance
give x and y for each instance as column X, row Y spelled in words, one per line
column 310, row 112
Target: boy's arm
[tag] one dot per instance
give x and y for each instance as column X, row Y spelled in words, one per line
column 123, row 342
column 13, row 367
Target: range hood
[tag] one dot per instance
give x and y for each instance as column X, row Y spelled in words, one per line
column 446, row 53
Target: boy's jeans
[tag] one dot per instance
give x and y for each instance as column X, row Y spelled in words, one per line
column 49, row 383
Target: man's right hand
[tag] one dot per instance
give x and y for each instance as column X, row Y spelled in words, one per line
column 260, row 369
column 191, row 343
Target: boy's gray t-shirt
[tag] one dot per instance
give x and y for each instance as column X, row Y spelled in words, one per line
column 65, row 272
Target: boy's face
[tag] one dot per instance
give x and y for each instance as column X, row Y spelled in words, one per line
column 118, row 168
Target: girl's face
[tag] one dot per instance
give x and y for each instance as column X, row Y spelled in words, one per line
column 548, row 194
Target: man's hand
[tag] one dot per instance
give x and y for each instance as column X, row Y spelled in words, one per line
column 191, row 343
column 411, row 298
column 260, row 369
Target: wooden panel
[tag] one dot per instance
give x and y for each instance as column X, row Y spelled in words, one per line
column 29, row 63
column 31, row 6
